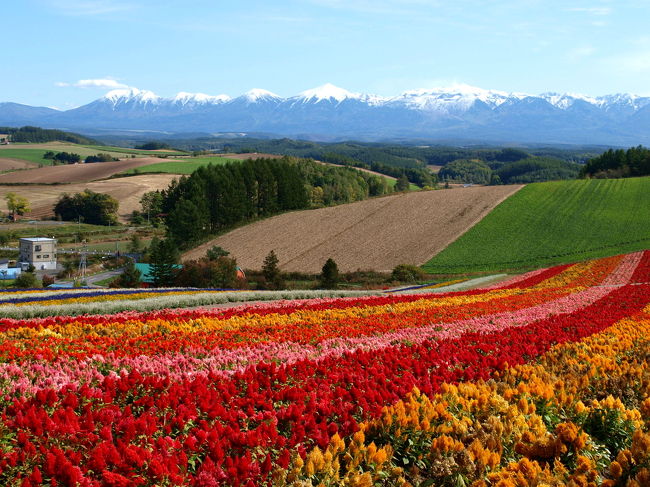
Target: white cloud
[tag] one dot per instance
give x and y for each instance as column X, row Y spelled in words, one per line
column 89, row 7
column 379, row 6
column 580, row 52
column 601, row 11
column 105, row 83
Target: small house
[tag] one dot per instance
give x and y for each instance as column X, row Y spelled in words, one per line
column 4, row 139
column 39, row 252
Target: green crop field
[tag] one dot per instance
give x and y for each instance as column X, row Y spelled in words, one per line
column 34, row 152
column 29, row 155
column 137, row 152
column 179, row 166
column 553, row 223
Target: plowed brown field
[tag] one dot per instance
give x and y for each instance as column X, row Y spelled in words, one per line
column 75, row 173
column 376, row 234
column 7, row 164
column 127, row 191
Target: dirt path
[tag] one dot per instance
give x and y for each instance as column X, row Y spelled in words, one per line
column 375, row 234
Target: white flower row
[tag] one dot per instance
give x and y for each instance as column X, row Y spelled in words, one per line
column 168, row 301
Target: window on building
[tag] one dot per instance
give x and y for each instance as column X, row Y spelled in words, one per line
column 46, row 256
column 37, row 248
column 38, row 256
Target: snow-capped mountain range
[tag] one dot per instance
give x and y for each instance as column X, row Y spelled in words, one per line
column 460, row 112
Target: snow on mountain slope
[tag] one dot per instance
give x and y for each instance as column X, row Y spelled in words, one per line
column 456, row 98
column 258, row 94
column 565, row 100
column 131, row 95
column 328, row 112
column 184, row 99
column 326, row 92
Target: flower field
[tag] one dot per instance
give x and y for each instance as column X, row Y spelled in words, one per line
column 539, row 380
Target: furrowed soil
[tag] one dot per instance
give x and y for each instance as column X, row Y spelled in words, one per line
column 127, row 191
column 377, row 234
column 74, row 173
column 9, row 164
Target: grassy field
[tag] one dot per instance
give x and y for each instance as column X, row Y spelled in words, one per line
column 180, row 166
column 34, row 152
column 29, row 155
column 553, row 223
column 137, row 152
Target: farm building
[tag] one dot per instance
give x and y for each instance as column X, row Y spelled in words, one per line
column 39, row 252
column 4, row 139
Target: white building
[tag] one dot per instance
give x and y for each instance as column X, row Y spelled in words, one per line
column 39, row 252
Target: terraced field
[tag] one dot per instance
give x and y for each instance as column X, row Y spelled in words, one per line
column 552, row 223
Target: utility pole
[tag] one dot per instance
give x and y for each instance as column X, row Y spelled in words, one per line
column 83, row 262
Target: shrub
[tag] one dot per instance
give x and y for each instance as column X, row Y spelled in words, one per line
column 26, row 280
column 407, row 273
column 47, row 280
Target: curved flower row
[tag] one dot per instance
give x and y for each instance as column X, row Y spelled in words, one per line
column 241, row 396
column 579, row 416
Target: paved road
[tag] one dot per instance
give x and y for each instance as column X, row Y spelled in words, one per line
column 91, row 280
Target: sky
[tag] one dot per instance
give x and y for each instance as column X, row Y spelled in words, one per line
column 66, row 53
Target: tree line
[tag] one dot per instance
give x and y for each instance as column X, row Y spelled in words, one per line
column 619, row 164
column 216, row 197
column 520, row 171
column 39, row 135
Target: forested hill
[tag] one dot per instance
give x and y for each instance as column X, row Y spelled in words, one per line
column 619, row 163
column 39, row 135
column 218, row 197
column 395, row 159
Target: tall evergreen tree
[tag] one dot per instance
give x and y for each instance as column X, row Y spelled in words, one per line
column 130, row 276
column 163, row 258
column 329, row 276
column 271, row 271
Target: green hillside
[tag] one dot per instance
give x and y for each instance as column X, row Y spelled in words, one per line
column 180, row 166
column 554, row 222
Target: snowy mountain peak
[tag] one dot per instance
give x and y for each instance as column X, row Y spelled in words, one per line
column 125, row 95
column 257, row 94
column 327, row 92
column 565, row 100
column 457, row 97
column 183, row 98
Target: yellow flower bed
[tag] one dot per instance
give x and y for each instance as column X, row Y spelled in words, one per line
column 579, row 416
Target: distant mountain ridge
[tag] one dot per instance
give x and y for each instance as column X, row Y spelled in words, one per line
column 330, row 112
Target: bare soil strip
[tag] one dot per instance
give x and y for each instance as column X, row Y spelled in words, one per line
column 75, row 173
column 7, row 164
column 127, row 191
column 377, row 234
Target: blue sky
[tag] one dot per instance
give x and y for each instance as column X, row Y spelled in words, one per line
column 65, row 53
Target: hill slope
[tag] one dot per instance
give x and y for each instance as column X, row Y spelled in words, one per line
column 127, row 191
column 374, row 234
column 74, row 173
column 555, row 222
